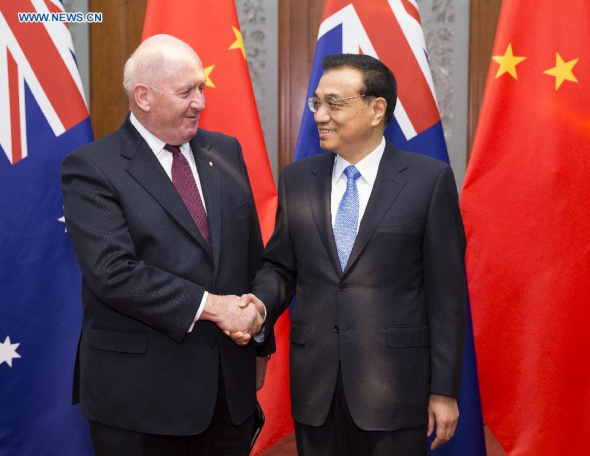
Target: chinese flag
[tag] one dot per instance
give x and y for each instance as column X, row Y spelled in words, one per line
column 213, row 31
column 526, row 207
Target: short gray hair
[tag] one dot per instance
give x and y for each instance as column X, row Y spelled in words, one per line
column 147, row 63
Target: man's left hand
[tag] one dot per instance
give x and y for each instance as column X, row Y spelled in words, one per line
column 443, row 411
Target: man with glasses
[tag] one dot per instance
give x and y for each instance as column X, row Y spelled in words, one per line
column 162, row 219
column 370, row 239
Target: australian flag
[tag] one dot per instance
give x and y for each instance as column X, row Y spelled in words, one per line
column 391, row 31
column 43, row 116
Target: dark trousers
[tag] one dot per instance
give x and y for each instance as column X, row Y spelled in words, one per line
column 222, row 437
column 340, row 436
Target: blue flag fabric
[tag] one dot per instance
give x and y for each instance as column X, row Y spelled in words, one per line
column 358, row 27
column 43, row 117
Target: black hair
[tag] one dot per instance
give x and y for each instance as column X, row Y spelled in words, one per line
column 378, row 80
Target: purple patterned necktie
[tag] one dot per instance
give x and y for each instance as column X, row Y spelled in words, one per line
column 184, row 181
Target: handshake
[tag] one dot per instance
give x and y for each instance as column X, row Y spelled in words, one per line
column 240, row 317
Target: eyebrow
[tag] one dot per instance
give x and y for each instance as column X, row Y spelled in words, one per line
column 186, row 88
column 333, row 95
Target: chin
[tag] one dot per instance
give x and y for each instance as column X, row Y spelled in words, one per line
column 326, row 145
column 190, row 134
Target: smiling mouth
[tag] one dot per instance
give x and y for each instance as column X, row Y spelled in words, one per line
column 325, row 131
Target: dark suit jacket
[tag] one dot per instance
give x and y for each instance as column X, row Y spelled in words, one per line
column 394, row 320
column 145, row 267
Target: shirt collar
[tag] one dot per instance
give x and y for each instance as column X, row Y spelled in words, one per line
column 154, row 143
column 368, row 166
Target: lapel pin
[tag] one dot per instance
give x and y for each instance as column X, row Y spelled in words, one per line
column 210, row 163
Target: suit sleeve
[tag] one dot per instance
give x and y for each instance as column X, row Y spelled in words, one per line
column 444, row 284
column 105, row 251
column 256, row 246
column 275, row 281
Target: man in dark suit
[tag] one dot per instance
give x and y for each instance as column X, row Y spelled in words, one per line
column 370, row 239
column 165, row 230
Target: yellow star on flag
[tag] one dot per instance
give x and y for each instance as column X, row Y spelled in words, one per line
column 507, row 62
column 209, row 82
column 239, row 43
column 562, row 71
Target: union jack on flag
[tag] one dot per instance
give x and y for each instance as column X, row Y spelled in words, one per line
column 391, row 31
column 43, row 117
column 40, row 55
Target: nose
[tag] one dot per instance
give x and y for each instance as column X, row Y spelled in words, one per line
column 321, row 114
column 198, row 101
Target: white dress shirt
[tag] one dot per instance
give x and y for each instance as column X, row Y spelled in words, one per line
column 165, row 159
column 368, row 168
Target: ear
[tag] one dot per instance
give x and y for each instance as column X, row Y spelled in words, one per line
column 142, row 95
column 379, row 107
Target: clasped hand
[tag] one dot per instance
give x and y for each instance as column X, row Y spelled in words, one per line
column 239, row 317
column 248, row 301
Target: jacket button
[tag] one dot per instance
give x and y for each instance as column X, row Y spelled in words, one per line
column 336, row 329
column 343, row 286
column 214, row 344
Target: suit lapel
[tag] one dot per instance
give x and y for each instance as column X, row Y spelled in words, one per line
column 318, row 185
column 209, row 169
column 145, row 168
column 388, row 183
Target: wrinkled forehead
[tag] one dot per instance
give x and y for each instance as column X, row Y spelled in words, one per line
column 182, row 69
column 177, row 58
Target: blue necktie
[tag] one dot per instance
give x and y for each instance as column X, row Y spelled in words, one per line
column 347, row 217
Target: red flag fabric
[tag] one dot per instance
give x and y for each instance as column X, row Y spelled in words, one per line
column 213, row 30
column 527, row 218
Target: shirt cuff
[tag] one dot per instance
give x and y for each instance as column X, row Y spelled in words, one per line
column 259, row 336
column 201, row 308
